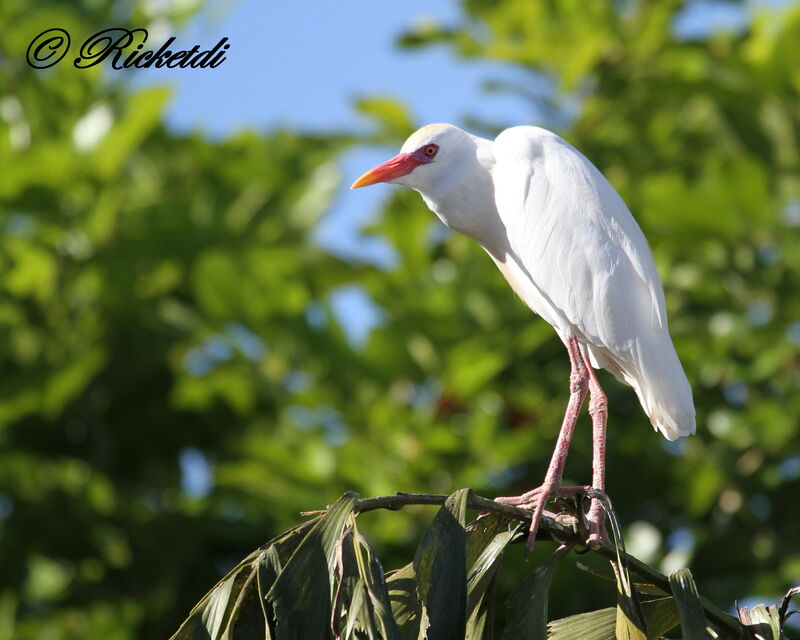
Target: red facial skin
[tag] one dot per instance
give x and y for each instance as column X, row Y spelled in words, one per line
column 401, row 165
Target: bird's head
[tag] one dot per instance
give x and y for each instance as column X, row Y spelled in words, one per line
column 425, row 159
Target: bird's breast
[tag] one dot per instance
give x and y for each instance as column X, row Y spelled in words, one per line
column 529, row 293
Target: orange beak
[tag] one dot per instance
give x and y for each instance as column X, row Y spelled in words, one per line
column 401, row 165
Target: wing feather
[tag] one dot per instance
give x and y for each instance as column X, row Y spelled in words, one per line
column 582, row 263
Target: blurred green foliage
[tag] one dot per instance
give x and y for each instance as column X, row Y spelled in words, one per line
column 163, row 310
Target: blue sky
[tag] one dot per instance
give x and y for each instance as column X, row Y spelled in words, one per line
column 301, row 64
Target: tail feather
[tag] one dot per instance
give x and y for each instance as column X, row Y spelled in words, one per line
column 659, row 383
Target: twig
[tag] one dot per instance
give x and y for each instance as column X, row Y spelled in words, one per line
column 548, row 526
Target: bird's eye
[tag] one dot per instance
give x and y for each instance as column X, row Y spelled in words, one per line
column 431, row 150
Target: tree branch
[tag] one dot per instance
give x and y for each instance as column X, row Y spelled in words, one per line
column 549, row 527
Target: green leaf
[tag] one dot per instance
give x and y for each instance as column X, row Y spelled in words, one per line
column 269, row 568
column 407, row 609
column 440, row 567
column 390, row 115
column 630, row 622
column 247, row 619
column 783, row 608
column 480, row 624
column 473, row 363
column 487, row 538
column 281, row 547
column 374, row 582
column 527, row 606
column 209, row 619
column 643, row 588
column 301, row 596
column 595, row 625
column 661, row 616
column 347, row 579
column 141, row 115
column 317, row 196
column 693, row 620
column 363, row 592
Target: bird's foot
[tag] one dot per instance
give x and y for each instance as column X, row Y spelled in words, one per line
column 535, row 500
column 596, row 519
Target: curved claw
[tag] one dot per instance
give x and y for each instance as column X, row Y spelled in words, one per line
column 535, row 500
column 596, row 520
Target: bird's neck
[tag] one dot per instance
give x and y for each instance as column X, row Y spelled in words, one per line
column 464, row 201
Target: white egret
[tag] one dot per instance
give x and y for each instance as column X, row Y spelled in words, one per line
column 570, row 248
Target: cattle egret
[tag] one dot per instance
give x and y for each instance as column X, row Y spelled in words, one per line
column 570, row 248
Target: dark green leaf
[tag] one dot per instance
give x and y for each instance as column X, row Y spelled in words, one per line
column 641, row 587
column 374, row 583
column 408, row 610
column 527, row 606
column 693, row 620
column 269, row 568
column 480, row 624
column 661, row 615
column 487, row 538
column 783, row 608
column 440, row 567
column 301, row 595
column 212, row 615
column 209, row 619
column 363, row 593
column 247, row 618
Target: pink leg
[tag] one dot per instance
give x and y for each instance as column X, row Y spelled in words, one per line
column 578, row 387
column 598, row 409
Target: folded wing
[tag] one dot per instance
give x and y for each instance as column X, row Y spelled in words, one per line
column 579, row 259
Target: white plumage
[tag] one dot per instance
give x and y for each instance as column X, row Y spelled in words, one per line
column 568, row 246
column 586, row 268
